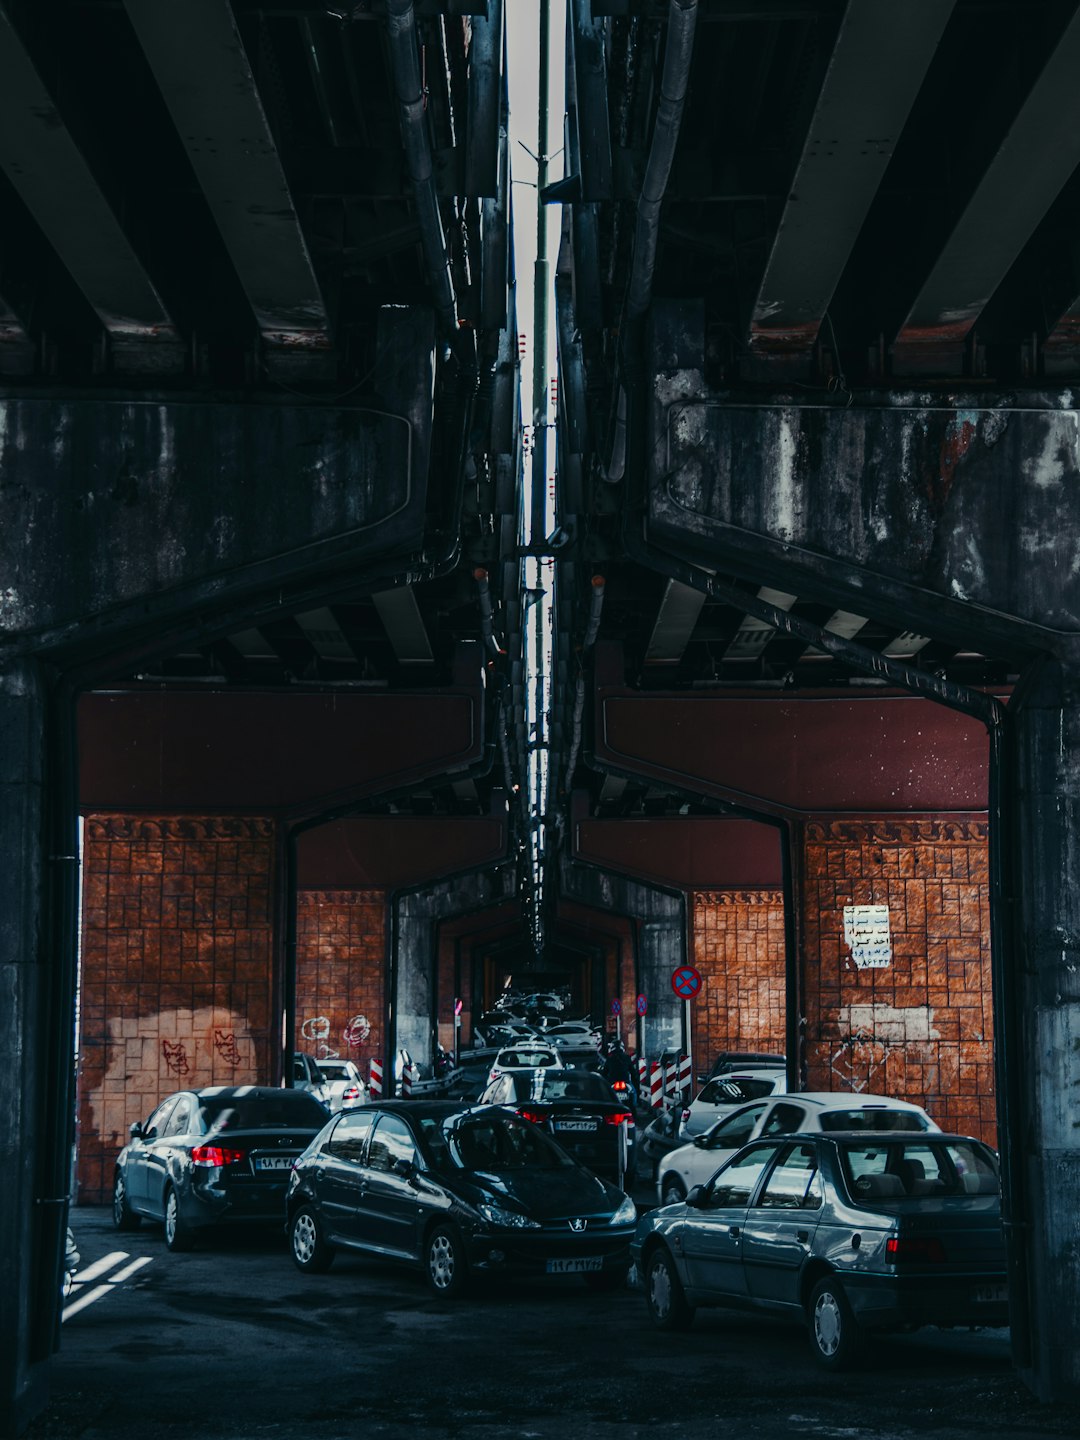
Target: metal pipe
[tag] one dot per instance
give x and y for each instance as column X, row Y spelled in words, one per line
column 596, row 605
column 592, row 629
column 486, row 612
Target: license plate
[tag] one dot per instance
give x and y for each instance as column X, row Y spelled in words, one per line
column 575, row 1125
column 990, row 1294
column 274, row 1162
column 578, row 1265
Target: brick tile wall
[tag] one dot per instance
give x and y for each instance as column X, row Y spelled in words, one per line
column 922, row 1028
column 340, row 969
column 738, row 946
column 176, row 970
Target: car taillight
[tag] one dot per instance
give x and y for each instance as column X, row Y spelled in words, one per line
column 216, row 1155
column 685, row 1116
column 618, row 1084
column 621, row 1117
column 351, row 1093
column 536, row 1116
column 899, row 1249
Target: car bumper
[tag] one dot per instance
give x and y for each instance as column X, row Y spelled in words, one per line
column 965, row 1299
column 255, row 1204
column 499, row 1250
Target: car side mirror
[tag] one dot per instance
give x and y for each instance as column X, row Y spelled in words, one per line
column 135, row 1130
column 696, row 1198
column 405, row 1168
column 701, row 1141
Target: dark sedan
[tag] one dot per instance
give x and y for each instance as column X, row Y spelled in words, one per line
column 580, row 1110
column 850, row 1232
column 211, row 1157
column 454, row 1189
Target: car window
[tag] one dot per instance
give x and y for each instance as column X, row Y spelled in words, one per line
column 572, row 1085
column 793, row 1183
column 241, row 1110
column 159, row 1118
column 391, row 1142
column 179, row 1121
column 718, row 1092
column 497, row 1142
column 904, row 1169
column 735, row 1182
column 873, row 1119
column 349, row 1137
column 746, row 1087
column 784, row 1119
column 735, row 1131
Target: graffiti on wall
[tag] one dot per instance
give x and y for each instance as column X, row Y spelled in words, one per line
column 175, row 1054
column 225, row 1045
column 876, row 1031
column 356, row 1031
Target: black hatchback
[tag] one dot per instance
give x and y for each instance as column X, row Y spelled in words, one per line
column 455, row 1189
column 215, row 1156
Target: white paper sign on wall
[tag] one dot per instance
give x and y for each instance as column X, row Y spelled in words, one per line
column 866, row 932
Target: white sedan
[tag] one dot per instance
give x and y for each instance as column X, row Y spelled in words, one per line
column 525, row 1057
column 720, row 1096
column 695, row 1164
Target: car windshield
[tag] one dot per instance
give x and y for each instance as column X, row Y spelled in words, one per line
column 567, row 1085
column 873, row 1120
column 334, row 1071
column 497, row 1142
column 894, row 1170
column 289, row 1109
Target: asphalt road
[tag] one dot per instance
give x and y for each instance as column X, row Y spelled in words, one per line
column 233, row 1342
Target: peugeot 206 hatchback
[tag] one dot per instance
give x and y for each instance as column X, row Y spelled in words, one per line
column 453, row 1189
column 850, row 1232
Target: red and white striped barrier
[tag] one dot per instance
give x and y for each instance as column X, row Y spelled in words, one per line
column 642, row 1074
column 656, row 1085
column 409, row 1073
column 375, row 1080
column 684, row 1077
column 671, row 1082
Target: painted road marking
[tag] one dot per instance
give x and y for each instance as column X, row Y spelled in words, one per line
column 98, row 1268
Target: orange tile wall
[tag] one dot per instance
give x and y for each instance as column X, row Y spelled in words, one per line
column 738, row 946
column 340, row 969
column 176, row 986
column 921, row 1029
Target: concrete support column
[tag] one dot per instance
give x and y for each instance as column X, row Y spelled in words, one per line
column 23, row 1003
column 1046, row 1132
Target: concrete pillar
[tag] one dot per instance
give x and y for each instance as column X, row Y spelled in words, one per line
column 23, row 1000
column 1046, row 1132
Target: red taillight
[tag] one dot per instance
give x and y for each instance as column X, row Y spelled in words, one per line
column 352, row 1093
column 685, row 1116
column 621, row 1117
column 618, row 1084
column 536, row 1116
column 211, row 1155
column 900, row 1249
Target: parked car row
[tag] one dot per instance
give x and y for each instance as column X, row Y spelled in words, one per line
column 851, row 1212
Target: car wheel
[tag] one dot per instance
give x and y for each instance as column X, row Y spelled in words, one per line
column 835, row 1337
column 178, row 1233
column 669, row 1308
column 310, row 1248
column 673, row 1191
column 445, row 1265
column 124, row 1218
column 613, row 1279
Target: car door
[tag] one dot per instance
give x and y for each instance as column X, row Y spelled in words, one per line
column 780, row 1224
column 141, row 1156
column 341, row 1176
column 391, row 1202
column 162, row 1149
column 712, row 1231
column 699, row 1162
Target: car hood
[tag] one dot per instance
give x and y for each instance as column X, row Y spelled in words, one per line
column 544, row 1195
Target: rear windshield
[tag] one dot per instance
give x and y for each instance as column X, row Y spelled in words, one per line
column 873, row 1120
column 334, row 1071
column 291, row 1109
column 524, row 1059
column 736, row 1090
column 902, row 1169
column 497, row 1142
column 564, row 1085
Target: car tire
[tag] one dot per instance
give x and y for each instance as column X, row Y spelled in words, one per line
column 669, row 1308
column 613, row 1279
column 124, row 1218
column 835, row 1336
column 308, row 1245
column 673, row 1191
column 445, row 1265
column 179, row 1235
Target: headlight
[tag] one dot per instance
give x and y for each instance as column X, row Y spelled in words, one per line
column 507, row 1219
column 626, row 1214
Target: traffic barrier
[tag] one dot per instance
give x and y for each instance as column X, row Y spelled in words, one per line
column 642, row 1074
column 684, row 1078
column 656, row 1085
column 671, row 1083
column 375, row 1080
column 406, row 1081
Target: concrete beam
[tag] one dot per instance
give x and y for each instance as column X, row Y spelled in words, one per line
column 50, row 173
column 881, row 56
column 198, row 59
column 1022, row 182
